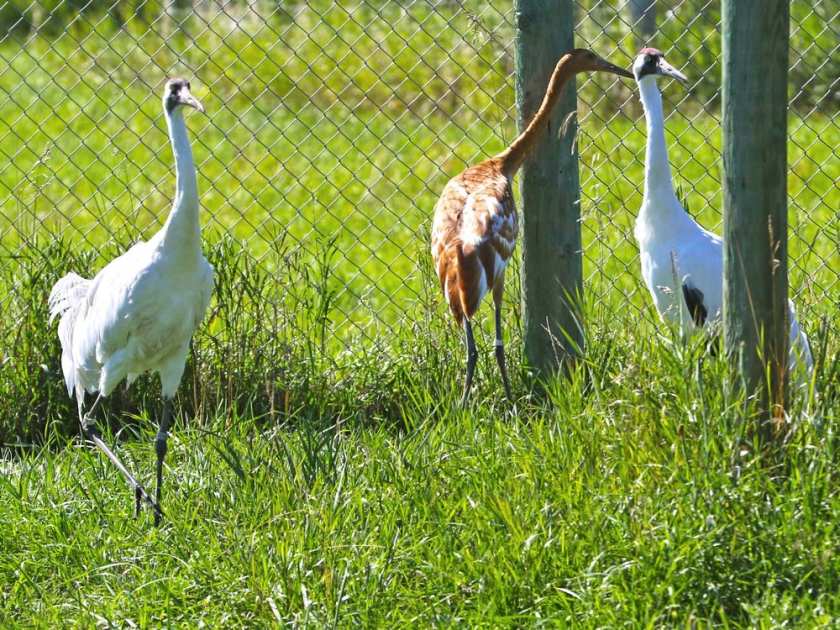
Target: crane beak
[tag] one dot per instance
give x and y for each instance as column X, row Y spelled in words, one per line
column 606, row 66
column 186, row 98
column 666, row 69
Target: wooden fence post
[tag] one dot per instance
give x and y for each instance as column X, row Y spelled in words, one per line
column 552, row 267
column 642, row 20
column 755, row 71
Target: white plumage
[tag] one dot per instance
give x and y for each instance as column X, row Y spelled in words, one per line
column 139, row 313
column 682, row 263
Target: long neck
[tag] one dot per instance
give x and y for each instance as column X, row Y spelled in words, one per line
column 182, row 228
column 657, row 169
column 513, row 157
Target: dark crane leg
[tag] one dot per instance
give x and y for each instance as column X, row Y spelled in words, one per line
column 500, row 350
column 472, row 357
column 160, row 449
column 92, row 433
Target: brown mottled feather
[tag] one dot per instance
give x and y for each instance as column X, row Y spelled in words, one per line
column 473, row 235
column 475, row 224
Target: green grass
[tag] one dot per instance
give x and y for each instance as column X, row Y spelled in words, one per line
column 618, row 499
column 320, row 472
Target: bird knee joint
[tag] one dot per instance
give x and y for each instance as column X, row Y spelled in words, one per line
column 160, row 443
column 89, row 427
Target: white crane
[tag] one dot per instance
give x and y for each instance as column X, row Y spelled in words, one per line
column 682, row 263
column 139, row 313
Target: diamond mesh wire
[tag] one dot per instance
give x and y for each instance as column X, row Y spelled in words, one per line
column 334, row 125
column 689, row 34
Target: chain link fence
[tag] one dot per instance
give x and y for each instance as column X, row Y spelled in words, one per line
column 689, row 34
column 332, row 127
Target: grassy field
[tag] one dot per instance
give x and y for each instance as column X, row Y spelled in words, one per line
column 627, row 496
column 320, row 472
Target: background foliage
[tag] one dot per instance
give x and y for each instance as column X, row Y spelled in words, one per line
column 320, row 471
column 332, row 128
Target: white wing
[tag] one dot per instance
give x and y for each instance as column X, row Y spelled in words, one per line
column 700, row 263
column 142, row 310
column 68, row 301
column 107, row 323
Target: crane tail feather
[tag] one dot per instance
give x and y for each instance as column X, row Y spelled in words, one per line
column 67, row 294
column 65, row 302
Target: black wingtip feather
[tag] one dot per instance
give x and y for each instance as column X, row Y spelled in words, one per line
column 694, row 301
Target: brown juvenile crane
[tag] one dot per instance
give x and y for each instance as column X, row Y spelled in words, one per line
column 475, row 224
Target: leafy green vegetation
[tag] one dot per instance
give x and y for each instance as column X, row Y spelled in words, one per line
column 320, row 471
column 628, row 495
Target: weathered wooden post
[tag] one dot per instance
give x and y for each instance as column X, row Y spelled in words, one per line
column 642, row 20
column 552, row 267
column 755, row 70
column 182, row 16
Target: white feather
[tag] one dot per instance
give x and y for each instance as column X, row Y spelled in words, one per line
column 665, row 233
column 139, row 313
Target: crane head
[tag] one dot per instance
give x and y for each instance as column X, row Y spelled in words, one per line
column 651, row 62
column 586, row 60
column 177, row 93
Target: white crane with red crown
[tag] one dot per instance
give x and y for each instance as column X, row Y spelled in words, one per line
column 139, row 313
column 682, row 263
